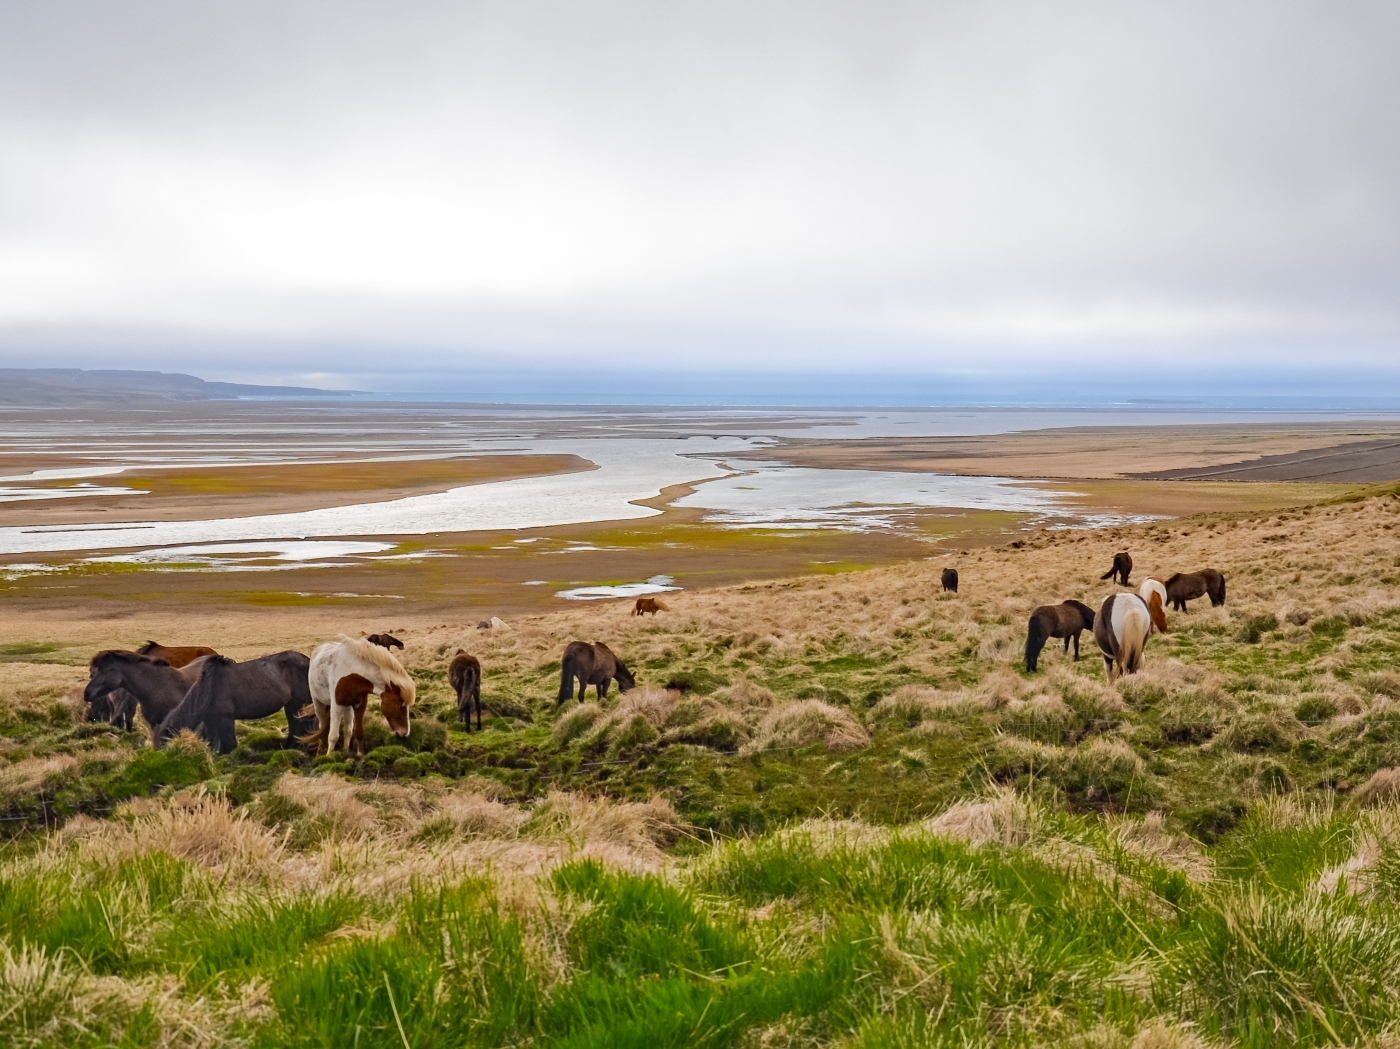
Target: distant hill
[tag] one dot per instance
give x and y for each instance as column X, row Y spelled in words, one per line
column 58, row 387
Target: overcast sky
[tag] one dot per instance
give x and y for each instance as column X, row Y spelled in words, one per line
column 347, row 192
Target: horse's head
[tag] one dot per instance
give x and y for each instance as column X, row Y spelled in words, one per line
column 99, row 708
column 394, row 707
column 625, row 680
column 104, row 674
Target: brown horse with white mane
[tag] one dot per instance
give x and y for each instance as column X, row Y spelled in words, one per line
column 1187, row 586
column 1065, row 620
column 592, row 664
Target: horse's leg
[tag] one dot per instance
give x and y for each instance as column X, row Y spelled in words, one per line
column 603, row 688
column 1076, row 646
column 476, row 696
column 333, row 739
column 228, row 736
column 359, row 727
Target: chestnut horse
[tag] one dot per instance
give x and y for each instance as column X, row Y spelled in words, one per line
column 649, row 604
column 1184, row 587
column 1121, row 629
column 1065, row 620
column 1154, row 592
column 1122, row 568
column 464, row 675
column 593, row 665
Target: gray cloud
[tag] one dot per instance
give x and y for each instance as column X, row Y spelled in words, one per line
column 292, row 188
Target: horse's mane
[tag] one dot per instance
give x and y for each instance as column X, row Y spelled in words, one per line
column 390, row 669
column 123, row 656
column 1175, row 577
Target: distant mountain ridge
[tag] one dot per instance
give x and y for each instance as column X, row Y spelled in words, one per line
column 58, row 387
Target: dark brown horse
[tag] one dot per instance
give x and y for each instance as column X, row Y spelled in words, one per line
column 649, row 604
column 119, row 706
column 1187, row 586
column 388, row 641
column 1122, row 568
column 593, row 665
column 153, row 684
column 227, row 691
column 950, row 580
column 464, row 675
column 1067, row 620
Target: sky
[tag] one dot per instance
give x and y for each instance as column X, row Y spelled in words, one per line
column 1168, row 197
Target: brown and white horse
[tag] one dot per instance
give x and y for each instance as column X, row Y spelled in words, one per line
column 1154, row 592
column 1121, row 629
column 340, row 705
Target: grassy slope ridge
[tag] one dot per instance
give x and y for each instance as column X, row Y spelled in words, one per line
column 854, row 822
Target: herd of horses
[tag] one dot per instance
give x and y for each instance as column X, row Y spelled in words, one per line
column 325, row 695
column 1124, row 621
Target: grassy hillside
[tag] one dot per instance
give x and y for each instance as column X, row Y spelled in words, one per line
column 836, row 812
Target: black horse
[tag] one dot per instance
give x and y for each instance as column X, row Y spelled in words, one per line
column 117, row 707
column 388, row 641
column 464, row 675
column 152, row 684
column 593, row 665
column 950, row 580
column 229, row 691
column 1065, row 620
column 1122, row 568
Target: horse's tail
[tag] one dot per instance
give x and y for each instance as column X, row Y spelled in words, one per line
column 1217, row 597
column 1035, row 641
column 566, row 678
column 1111, row 572
column 470, row 686
column 1133, row 642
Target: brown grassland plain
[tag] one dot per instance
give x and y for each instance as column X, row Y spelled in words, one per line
column 835, row 812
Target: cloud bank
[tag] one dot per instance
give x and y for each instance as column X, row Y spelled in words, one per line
column 260, row 191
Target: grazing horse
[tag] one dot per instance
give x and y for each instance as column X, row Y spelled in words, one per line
column 1184, row 587
column 950, row 580
column 1121, row 629
column 593, row 665
column 1067, row 620
column 1122, row 568
column 348, row 656
column 175, row 655
column 152, row 684
column 1154, row 592
column 388, row 641
column 464, row 675
column 649, row 604
column 119, row 706
column 227, row 692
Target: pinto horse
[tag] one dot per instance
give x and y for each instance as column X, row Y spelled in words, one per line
column 227, row 692
column 592, row 664
column 464, row 675
column 1187, row 586
column 1154, row 592
column 1122, row 568
column 1121, row 629
column 336, row 660
column 1067, row 620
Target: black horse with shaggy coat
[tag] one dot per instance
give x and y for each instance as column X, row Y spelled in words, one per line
column 464, row 675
